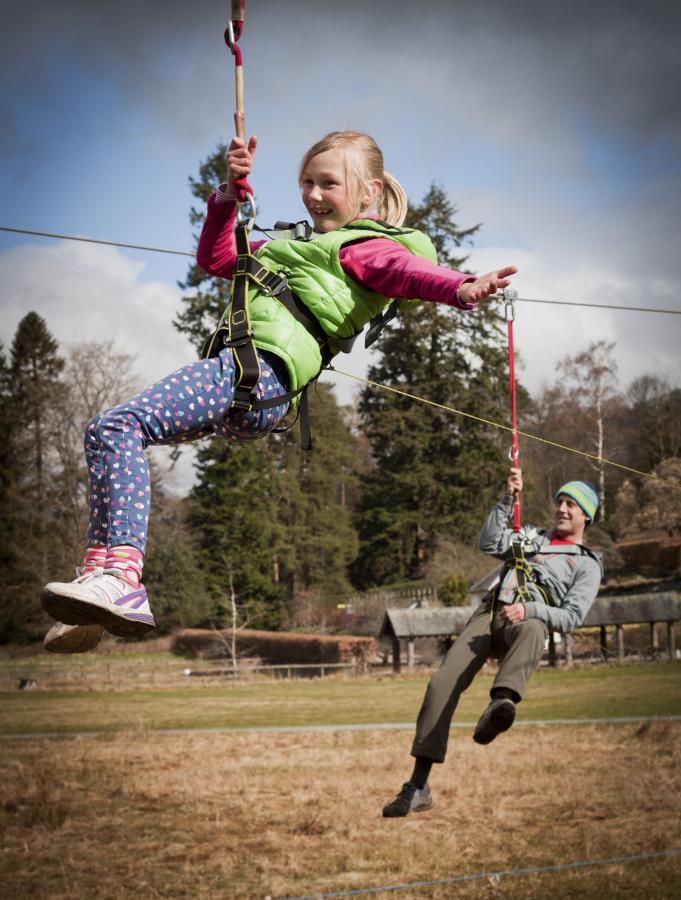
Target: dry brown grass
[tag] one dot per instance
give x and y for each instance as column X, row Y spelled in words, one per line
column 280, row 815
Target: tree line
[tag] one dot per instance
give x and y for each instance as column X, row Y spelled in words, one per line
column 394, row 490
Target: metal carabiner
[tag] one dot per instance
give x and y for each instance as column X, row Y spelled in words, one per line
column 247, row 212
column 230, row 40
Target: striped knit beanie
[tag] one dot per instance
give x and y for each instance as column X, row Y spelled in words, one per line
column 584, row 494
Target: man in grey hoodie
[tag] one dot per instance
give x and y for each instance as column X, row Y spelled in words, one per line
column 550, row 585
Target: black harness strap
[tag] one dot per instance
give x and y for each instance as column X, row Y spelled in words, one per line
column 524, row 575
column 239, row 332
column 235, row 332
column 378, row 323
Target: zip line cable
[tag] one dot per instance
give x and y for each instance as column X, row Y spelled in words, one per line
column 672, row 312
column 534, row 437
column 87, row 240
column 495, row 876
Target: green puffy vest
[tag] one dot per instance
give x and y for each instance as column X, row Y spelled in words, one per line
column 315, row 275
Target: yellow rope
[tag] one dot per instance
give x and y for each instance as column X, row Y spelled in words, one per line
column 533, row 437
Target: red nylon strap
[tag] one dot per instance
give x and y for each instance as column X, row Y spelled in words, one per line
column 242, row 189
column 234, row 48
column 514, row 424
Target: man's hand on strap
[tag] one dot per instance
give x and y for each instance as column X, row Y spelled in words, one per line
column 513, row 613
column 514, row 482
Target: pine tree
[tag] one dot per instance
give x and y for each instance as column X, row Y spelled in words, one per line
column 32, row 393
column 316, row 535
column 435, row 473
column 230, row 509
column 35, row 368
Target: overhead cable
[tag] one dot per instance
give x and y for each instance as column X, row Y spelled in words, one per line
column 87, row 240
column 533, row 437
column 71, row 237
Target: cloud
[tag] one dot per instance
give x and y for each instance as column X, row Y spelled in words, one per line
column 545, row 334
column 509, row 62
column 93, row 293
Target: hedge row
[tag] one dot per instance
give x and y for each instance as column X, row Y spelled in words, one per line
column 652, row 555
column 275, row 647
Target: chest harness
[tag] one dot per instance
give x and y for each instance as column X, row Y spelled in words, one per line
column 235, row 331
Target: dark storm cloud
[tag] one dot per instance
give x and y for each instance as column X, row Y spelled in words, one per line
column 620, row 60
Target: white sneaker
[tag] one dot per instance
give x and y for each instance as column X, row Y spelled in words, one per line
column 63, row 638
column 106, row 600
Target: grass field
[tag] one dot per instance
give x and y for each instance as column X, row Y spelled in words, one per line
column 256, row 816
column 590, row 692
column 236, row 815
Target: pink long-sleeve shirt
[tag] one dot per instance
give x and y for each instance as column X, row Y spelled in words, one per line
column 378, row 264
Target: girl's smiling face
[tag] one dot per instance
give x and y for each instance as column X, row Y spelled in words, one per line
column 328, row 192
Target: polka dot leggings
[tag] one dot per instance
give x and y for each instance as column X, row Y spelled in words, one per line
column 190, row 404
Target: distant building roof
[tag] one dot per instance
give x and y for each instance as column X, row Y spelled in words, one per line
column 478, row 590
column 405, row 624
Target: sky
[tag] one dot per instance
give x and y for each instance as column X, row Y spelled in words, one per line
column 556, row 126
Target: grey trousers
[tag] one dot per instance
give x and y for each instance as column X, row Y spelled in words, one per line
column 519, row 648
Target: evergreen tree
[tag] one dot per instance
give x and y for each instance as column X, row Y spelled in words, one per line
column 316, row 536
column 230, row 508
column 434, row 473
column 10, row 470
column 32, row 392
column 35, row 368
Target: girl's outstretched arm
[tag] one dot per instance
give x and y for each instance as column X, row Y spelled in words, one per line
column 384, row 266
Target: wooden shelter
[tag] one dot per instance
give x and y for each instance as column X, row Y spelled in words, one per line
column 408, row 625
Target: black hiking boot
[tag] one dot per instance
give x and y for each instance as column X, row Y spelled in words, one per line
column 498, row 717
column 410, row 799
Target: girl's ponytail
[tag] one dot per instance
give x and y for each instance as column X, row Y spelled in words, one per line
column 393, row 204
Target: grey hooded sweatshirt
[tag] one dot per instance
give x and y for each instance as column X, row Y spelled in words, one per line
column 570, row 572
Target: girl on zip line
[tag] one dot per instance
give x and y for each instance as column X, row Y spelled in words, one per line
column 355, row 261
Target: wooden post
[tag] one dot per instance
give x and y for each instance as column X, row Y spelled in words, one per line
column 654, row 640
column 552, row 649
column 567, row 638
column 619, row 633
column 671, row 649
column 410, row 653
column 604, row 642
column 396, row 654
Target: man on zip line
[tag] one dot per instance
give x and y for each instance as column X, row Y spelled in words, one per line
column 548, row 583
